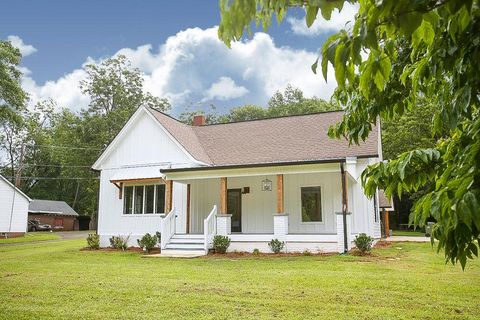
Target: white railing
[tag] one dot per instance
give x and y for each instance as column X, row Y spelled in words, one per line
column 210, row 228
column 167, row 228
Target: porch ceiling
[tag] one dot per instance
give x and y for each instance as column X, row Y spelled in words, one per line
column 204, row 173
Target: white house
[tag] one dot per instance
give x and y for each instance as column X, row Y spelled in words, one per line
column 13, row 209
column 281, row 178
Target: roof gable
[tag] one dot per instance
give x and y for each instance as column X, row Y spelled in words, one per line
column 174, row 147
column 14, row 188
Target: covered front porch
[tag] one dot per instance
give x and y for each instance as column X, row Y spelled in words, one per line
column 302, row 205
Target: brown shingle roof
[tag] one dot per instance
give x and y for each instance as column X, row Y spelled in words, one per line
column 275, row 140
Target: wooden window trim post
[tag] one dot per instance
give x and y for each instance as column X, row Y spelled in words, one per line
column 223, row 195
column 168, row 195
column 280, row 201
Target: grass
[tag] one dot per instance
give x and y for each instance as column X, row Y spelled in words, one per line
column 31, row 237
column 404, row 281
column 408, row 233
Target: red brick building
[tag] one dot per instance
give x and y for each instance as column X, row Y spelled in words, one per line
column 58, row 214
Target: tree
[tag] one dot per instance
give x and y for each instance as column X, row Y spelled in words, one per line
column 289, row 102
column 424, row 49
column 12, row 97
column 116, row 91
column 413, row 130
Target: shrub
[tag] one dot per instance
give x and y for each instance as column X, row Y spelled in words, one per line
column 221, row 243
column 306, row 252
column 363, row 242
column 256, row 251
column 147, row 242
column 159, row 236
column 276, row 245
column 119, row 242
column 93, row 241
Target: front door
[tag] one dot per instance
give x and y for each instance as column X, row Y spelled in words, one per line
column 234, row 207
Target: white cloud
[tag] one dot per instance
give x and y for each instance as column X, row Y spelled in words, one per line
column 337, row 21
column 25, row 49
column 190, row 68
column 225, row 89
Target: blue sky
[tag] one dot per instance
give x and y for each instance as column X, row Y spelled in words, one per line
column 173, row 42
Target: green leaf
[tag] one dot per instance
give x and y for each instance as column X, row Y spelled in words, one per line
column 311, row 15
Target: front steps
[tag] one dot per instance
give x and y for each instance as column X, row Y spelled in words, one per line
column 185, row 245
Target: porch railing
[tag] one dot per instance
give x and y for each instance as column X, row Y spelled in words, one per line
column 167, row 228
column 210, row 228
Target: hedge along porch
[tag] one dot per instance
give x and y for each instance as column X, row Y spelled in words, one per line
column 302, row 205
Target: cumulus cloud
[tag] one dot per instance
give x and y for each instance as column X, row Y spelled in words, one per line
column 225, row 89
column 191, row 68
column 338, row 21
column 25, row 49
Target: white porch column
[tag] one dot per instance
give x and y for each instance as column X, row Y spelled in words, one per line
column 341, row 233
column 224, row 224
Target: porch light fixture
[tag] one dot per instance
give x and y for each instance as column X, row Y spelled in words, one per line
column 266, row 185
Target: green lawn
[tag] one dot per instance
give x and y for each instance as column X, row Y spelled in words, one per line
column 30, row 237
column 405, row 281
column 408, row 233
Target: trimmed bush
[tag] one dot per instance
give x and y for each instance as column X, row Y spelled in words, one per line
column 221, row 243
column 256, row 251
column 306, row 252
column 119, row 242
column 363, row 242
column 276, row 245
column 147, row 242
column 93, row 241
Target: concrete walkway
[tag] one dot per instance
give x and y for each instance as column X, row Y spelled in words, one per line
column 407, row 239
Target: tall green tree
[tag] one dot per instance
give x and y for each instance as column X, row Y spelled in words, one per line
column 424, row 49
column 12, row 97
column 116, row 91
column 289, row 102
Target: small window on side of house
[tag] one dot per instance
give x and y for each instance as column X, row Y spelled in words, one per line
column 311, row 204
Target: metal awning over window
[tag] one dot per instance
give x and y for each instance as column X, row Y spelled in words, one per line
column 138, row 173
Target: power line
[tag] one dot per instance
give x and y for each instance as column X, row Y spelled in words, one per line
column 55, row 166
column 65, row 147
column 54, row 178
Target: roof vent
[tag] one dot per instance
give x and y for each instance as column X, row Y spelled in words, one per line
column 198, row 120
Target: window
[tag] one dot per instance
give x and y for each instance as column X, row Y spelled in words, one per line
column 149, row 199
column 311, row 204
column 127, row 200
column 375, row 212
column 160, row 203
column 138, row 199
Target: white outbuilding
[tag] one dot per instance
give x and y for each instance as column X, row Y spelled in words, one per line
column 13, row 209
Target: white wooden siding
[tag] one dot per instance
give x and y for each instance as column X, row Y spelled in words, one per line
column 19, row 217
column 144, row 143
column 331, row 194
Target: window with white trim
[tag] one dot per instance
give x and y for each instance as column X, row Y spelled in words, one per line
column 311, row 204
column 144, row 199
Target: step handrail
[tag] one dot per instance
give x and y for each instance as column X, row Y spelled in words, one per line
column 210, row 228
column 167, row 228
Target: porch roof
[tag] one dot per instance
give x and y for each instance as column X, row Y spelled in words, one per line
column 291, row 139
